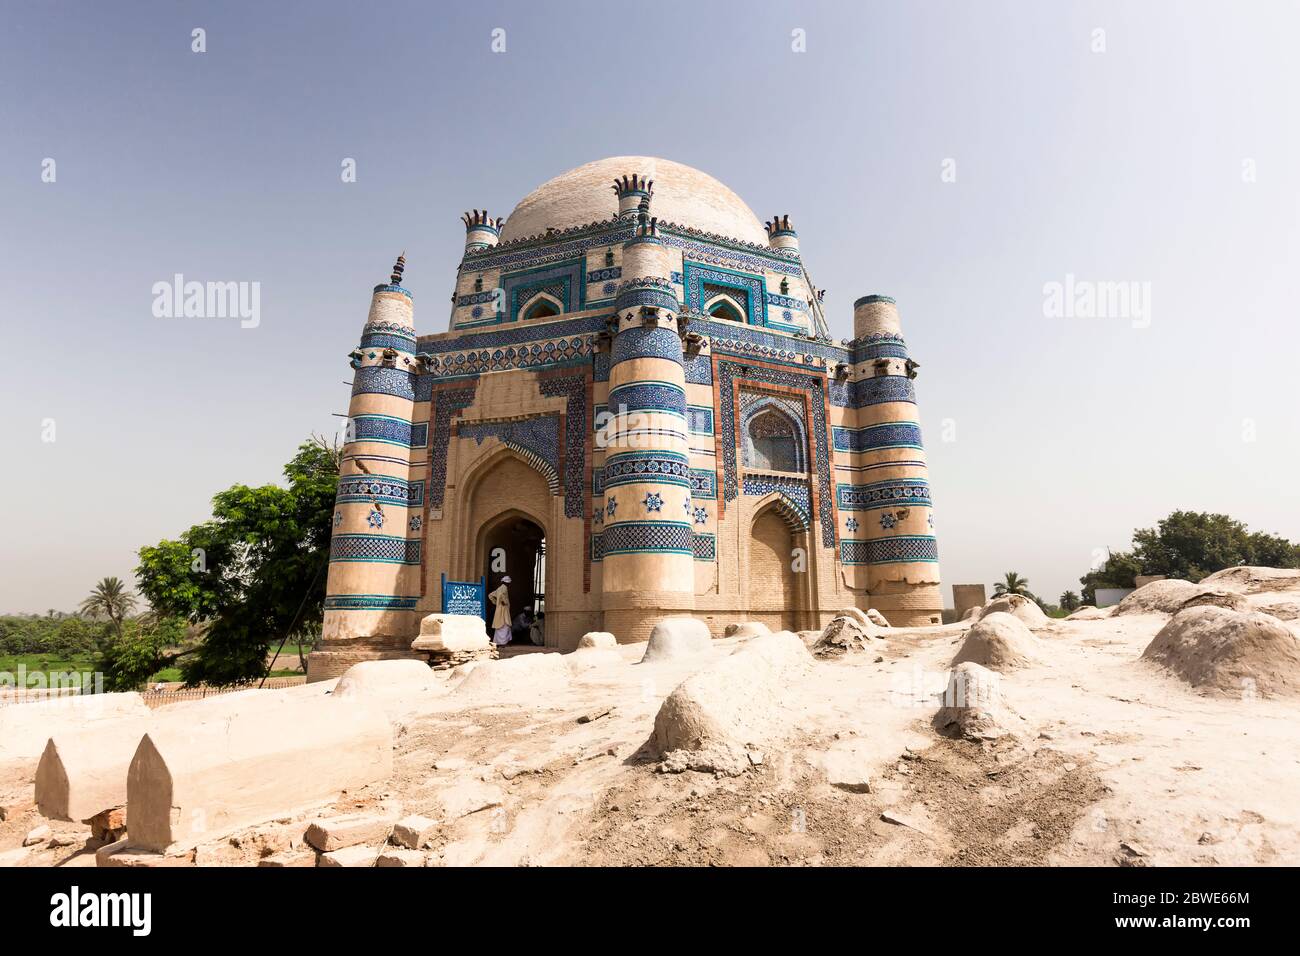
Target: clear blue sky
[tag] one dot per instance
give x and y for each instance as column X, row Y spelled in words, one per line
column 1125, row 165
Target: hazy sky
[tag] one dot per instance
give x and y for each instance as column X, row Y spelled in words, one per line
column 1169, row 159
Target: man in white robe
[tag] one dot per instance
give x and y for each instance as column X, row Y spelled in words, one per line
column 501, row 619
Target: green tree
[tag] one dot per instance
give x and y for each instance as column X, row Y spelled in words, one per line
column 110, row 599
column 1012, row 583
column 1272, row 551
column 1069, row 602
column 1190, row 545
column 1117, row 571
column 251, row 574
column 140, row 650
column 307, row 639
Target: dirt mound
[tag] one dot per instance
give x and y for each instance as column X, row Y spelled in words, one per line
column 386, row 679
column 999, row 642
column 973, row 613
column 1158, row 597
column 1017, row 605
column 1283, row 610
column 602, row 640
column 1216, row 597
column 854, row 614
column 972, row 706
column 746, row 629
column 1173, row 595
column 809, row 638
column 593, row 659
column 715, row 716
column 676, row 637
column 844, row 635
column 526, row 676
column 1089, row 613
column 1229, row 653
column 868, row 617
column 1252, row 580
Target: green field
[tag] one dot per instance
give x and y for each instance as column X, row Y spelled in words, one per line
column 37, row 667
column 46, row 664
column 290, row 653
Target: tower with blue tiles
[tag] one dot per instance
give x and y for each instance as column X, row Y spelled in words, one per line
column 373, row 585
column 647, row 549
column 895, row 542
column 636, row 411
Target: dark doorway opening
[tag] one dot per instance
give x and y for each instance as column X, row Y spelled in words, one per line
column 516, row 547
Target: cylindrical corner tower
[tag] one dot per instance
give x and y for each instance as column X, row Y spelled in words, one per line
column 373, row 583
column 648, row 556
column 781, row 235
column 901, row 555
column 631, row 190
column 481, row 232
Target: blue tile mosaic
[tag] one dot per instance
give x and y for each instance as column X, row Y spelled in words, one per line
column 537, row 440
column 903, row 549
column 380, row 488
column 647, row 342
column 657, row 466
column 699, row 419
column 873, row 437
column 794, row 491
column 647, row 537
column 704, row 547
column 377, row 380
column 376, row 548
column 704, row 483
column 811, row 383
column 371, row 602
column 904, row 492
column 649, row 397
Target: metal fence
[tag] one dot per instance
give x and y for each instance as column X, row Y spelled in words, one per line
column 162, row 695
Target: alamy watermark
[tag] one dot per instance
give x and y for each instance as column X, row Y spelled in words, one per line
column 1089, row 299
column 620, row 428
column 20, row 686
column 208, row 300
column 133, row 911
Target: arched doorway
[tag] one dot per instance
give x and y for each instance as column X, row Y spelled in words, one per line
column 773, row 581
column 508, row 507
column 514, row 546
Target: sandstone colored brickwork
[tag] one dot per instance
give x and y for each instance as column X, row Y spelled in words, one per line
column 507, row 399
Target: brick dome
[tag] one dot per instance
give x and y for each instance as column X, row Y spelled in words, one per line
column 682, row 195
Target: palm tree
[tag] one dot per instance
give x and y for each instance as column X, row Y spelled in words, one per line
column 1012, row 583
column 1069, row 601
column 110, row 599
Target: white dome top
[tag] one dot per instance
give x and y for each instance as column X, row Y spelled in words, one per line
column 682, row 195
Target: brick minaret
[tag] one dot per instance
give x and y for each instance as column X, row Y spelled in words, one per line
column 900, row 552
column 648, row 571
column 373, row 583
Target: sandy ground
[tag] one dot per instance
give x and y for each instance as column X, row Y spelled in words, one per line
column 1121, row 764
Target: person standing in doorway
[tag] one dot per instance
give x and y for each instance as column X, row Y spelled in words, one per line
column 501, row 619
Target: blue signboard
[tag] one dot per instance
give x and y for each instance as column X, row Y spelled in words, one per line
column 464, row 597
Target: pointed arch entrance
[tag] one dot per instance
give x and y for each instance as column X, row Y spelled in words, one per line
column 777, row 567
column 514, row 545
column 509, row 506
